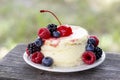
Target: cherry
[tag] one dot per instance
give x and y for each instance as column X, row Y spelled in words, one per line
column 63, row 29
column 42, row 11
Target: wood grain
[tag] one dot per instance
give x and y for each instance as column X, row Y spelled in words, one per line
column 13, row 67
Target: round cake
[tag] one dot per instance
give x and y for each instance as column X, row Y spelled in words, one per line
column 67, row 51
column 63, row 46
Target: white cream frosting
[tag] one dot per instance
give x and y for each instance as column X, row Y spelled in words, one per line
column 66, row 51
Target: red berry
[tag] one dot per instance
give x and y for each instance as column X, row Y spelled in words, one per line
column 44, row 33
column 64, row 30
column 27, row 51
column 37, row 57
column 88, row 57
column 96, row 40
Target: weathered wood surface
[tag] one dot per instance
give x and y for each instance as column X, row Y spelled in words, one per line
column 13, row 67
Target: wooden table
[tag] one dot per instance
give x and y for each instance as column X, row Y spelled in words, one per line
column 13, row 67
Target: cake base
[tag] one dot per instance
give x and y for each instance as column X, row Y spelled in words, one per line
column 66, row 51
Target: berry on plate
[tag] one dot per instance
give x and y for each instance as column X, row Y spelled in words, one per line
column 47, row 61
column 88, row 57
column 91, row 41
column 90, row 47
column 37, row 57
column 96, row 40
column 27, row 51
column 33, row 48
column 38, row 42
column 64, row 30
column 98, row 52
column 44, row 33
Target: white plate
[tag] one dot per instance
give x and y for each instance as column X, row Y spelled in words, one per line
column 63, row 69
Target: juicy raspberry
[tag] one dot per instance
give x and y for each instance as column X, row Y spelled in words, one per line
column 44, row 33
column 96, row 40
column 27, row 51
column 64, row 30
column 37, row 57
column 88, row 57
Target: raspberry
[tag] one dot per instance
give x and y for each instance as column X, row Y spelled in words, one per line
column 88, row 57
column 33, row 48
column 44, row 33
column 37, row 57
column 96, row 40
column 27, row 51
column 64, row 30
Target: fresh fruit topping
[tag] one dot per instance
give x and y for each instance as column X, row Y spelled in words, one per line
column 33, row 48
column 38, row 42
column 91, row 41
column 52, row 27
column 98, row 52
column 37, row 57
column 96, row 40
column 90, row 47
column 47, row 61
column 64, row 30
column 44, row 33
column 27, row 51
column 88, row 57
column 42, row 11
column 56, row 34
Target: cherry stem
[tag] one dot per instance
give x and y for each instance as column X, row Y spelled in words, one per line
column 42, row 11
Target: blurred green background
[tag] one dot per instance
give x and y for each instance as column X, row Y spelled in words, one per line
column 20, row 20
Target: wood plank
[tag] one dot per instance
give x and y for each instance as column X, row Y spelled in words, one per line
column 13, row 67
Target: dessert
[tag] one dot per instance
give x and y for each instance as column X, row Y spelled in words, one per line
column 66, row 51
column 64, row 46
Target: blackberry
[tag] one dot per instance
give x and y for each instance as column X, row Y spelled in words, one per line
column 52, row 27
column 33, row 48
column 98, row 52
column 38, row 42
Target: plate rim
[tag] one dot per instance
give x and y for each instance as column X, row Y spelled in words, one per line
column 64, row 69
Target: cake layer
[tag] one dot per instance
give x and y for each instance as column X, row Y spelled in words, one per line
column 66, row 51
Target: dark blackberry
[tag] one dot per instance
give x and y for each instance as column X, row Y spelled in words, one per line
column 98, row 52
column 39, row 42
column 52, row 27
column 33, row 48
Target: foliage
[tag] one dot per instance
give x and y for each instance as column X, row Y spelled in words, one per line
column 19, row 21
